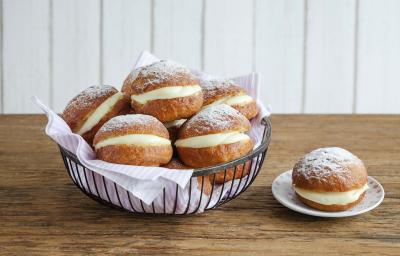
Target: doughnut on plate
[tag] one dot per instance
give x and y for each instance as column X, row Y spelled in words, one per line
column 284, row 193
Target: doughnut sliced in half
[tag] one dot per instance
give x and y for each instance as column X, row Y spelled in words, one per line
column 134, row 140
column 165, row 90
column 227, row 92
column 91, row 108
column 213, row 136
column 330, row 179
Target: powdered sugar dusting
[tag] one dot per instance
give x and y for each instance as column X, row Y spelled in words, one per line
column 133, row 75
column 161, row 71
column 89, row 95
column 219, row 116
column 323, row 163
column 119, row 122
column 215, row 84
column 215, row 89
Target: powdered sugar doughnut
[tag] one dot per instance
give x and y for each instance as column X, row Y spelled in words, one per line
column 330, row 179
column 134, row 140
column 213, row 136
column 226, row 91
column 91, row 108
column 165, row 90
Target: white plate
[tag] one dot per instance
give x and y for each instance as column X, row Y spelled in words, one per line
column 284, row 193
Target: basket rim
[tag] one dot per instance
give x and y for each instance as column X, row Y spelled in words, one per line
column 216, row 168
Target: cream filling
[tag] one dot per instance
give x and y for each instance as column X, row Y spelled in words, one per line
column 329, row 198
column 134, row 139
column 233, row 100
column 212, row 140
column 176, row 123
column 99, row 113
column 167, row 93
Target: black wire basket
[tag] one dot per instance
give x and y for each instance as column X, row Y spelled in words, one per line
column 174, row 200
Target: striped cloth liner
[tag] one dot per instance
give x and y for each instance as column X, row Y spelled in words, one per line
column 143, row 183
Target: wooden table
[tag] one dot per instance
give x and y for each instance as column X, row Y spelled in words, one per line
column 42, row 212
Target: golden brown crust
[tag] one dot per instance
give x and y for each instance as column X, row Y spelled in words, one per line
column 206, row 184
column 249, row 110
column 332, row 207
column 176, row 164
column 122, row 106
column 82, row 105
column 135, row 155
column 136, row 87
column 215, row 119
column 214, row 90
column 329, row 170
column 158, row 75
column 167, row 110
column 356, row 179
column 203, row 157
column 131, row 124
column 241, row 171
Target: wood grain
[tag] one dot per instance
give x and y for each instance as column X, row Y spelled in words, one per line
column 43, row 213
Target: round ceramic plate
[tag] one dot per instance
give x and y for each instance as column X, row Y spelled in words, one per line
column 284, row 193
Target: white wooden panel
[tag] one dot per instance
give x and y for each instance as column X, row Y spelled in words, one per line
column 228, row 37
column 330, row 56
column 56, row 52
column 1, row 57
column 177, row 31
column 378, row 83
column 76, row 41
column 126, row 32
column 278, row 55
column 25, row 54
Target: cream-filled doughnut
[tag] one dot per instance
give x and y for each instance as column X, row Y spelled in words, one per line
column 330, row 179
column 203, row 182
column 165, row 90
column 227, row 92
column 133, row 139
column 213, row 136
column 91, row 108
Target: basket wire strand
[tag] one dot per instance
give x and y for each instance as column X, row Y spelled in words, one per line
column 79, row 175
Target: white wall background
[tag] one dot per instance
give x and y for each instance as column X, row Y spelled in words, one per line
column 315, row 56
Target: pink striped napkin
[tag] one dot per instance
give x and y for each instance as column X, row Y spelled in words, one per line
column 145, row 183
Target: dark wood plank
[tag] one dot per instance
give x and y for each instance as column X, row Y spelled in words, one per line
column 42, row 212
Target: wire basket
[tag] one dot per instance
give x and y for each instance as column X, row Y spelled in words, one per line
column 192, row 199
